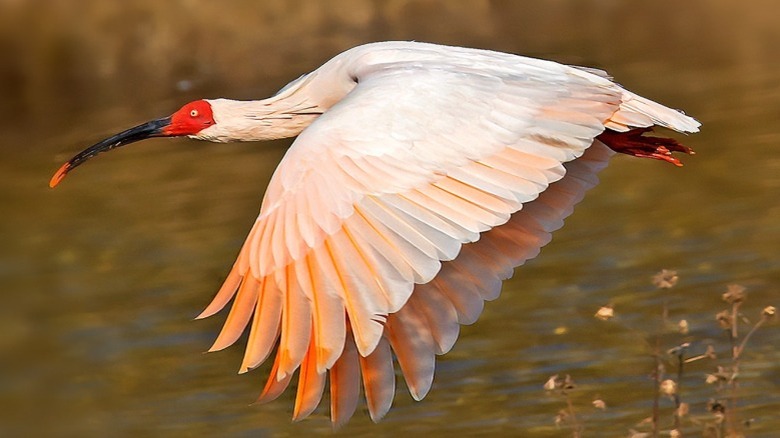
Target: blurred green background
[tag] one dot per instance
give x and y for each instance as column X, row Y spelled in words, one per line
column 101, row 277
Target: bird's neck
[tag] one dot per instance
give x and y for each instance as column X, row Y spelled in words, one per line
column 283, row 115
column 259, row 120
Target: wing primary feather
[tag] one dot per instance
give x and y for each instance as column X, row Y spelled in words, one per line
column 296, row 324
column 365, row 312
column 385, row 266
column 378, row 380
column 440, row 314
column 328, row 320
column 344, row 384
column 414, row 349
column 372, row 273
column 239, row 315
column 311, row 382
column 225, row 293
column 274, row 387
column 265, row 325
column 462, row 294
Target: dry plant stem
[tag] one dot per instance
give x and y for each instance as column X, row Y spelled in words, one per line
column 658, row 367
column 731, row 421
column 738, row 351
column 680, row 362
column 665, row 313
column 734, row 334
column 657, row 393
column 576, row 427
column 695, row 358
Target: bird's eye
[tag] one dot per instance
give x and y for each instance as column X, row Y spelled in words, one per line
column 194, row 113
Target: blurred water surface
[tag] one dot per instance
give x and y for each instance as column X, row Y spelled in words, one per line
column 101, row 278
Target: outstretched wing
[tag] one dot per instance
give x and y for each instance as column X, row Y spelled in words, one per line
column 419, row 159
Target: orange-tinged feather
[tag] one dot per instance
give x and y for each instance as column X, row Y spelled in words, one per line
column 310, row 385
column 381, row 242
column 225, row 293
column 265, row 325
column 357, row 294
column 328, row 320
column 423, row 267
column 296, row 324
column 274, row 387
column 239, row 315
column 395, row 286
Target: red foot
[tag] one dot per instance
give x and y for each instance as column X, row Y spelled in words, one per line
column 633, row 143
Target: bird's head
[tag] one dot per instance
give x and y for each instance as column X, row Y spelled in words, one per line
column 190, row 120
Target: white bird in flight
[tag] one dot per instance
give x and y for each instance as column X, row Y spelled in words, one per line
column 421, row 176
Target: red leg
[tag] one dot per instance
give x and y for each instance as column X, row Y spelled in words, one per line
column 634, row 143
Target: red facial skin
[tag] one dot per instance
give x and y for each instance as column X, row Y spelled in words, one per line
column 190, row 119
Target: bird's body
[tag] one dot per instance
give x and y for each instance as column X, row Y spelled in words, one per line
column 422, row 175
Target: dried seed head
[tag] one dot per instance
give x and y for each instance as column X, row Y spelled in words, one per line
column 556, row 382
column 682, row 327
column 550, row 384
column 605, row 313
column 599, row 404
column 716, row 407
column 665, row 279
column 734, row 294
column 682, row 410
column 721, row 375
column 668, row 387
column 674, row 433
column 769, row 312
column 724, row 319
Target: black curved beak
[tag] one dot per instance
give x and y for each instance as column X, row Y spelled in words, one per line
column 155, row 128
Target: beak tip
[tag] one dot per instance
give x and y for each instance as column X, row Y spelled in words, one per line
column 59, row 175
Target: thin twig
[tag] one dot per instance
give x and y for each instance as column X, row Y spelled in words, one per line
column 738, row 351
